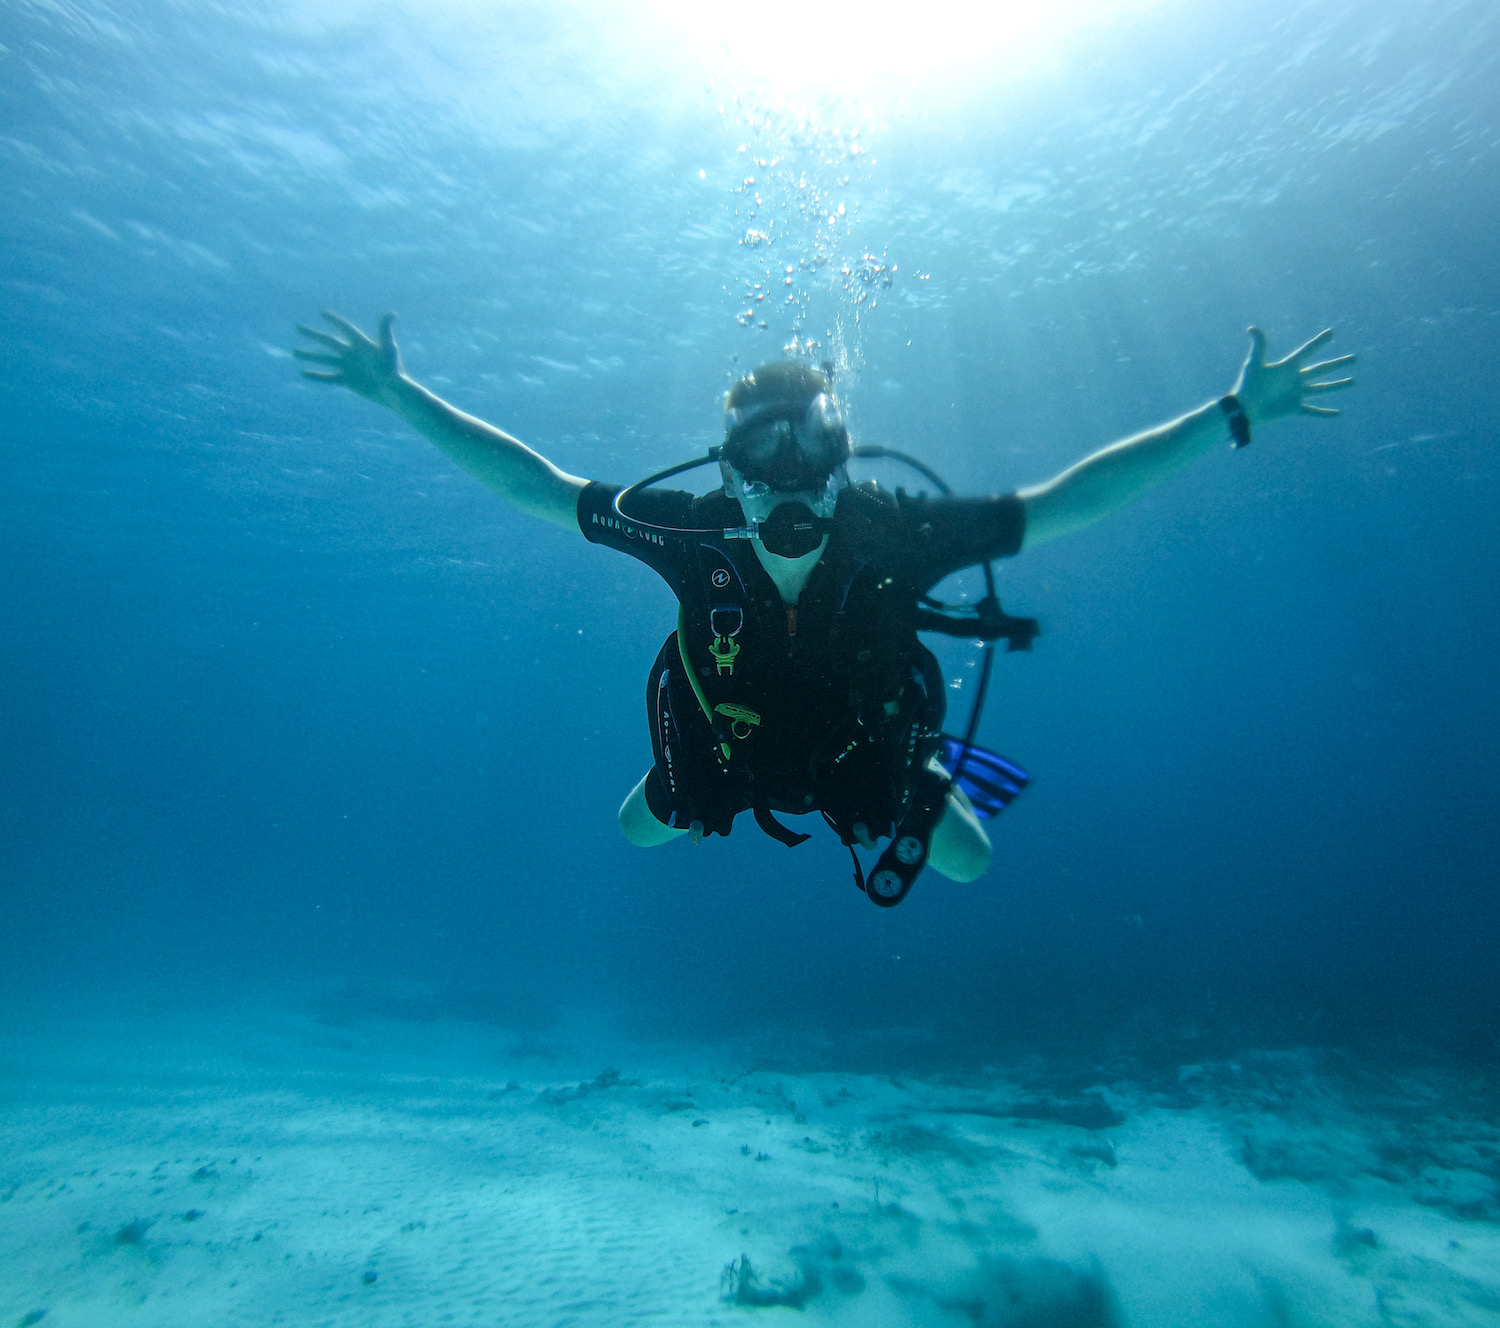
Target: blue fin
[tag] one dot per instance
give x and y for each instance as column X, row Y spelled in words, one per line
column 990, row 781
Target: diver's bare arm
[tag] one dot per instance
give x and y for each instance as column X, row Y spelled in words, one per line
column 373, row 370
column 1117, row 475
column 524, row 477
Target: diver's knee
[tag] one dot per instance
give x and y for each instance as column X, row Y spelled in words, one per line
column 959, row 848
column 639, row 824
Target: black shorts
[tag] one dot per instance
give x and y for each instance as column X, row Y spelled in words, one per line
column 855, row 772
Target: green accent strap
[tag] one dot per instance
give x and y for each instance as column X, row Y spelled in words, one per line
column 687, row 664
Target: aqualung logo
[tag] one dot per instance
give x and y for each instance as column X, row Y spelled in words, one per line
column 626, row 529
column 720, row 578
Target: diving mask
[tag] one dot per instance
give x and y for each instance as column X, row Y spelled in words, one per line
column 790, row 445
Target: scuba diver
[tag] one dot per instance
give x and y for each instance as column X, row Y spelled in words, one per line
column 795, row 681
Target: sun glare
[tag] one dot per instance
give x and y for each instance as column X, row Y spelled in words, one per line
column 854, row 48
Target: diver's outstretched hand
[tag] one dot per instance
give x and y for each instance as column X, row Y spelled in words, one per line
column 1270, row 390
column 371, row 368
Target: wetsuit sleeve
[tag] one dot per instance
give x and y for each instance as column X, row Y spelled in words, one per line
column 946, row 534
column 600, row 525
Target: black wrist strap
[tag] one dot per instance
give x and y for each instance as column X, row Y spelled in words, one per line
column 1239, row 422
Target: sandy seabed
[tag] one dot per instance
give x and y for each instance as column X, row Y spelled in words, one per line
column 266, row 1168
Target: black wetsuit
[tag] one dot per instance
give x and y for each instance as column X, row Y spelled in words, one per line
column 826, row 705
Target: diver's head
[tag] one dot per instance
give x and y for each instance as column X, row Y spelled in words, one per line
column 783, row 428
column 785, row 445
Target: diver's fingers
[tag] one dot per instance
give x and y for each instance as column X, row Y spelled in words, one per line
column 1317, row 410
column 316, row 356
column 1314, row 370
column 387, row 340
column 339, row 321
column 322, row 338
column 318, row 376
column 1257, row 353
column 1310, row 345
column 1309, row 388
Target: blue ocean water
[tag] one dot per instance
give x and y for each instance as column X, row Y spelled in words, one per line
column 292, row 708
column 287, row 696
